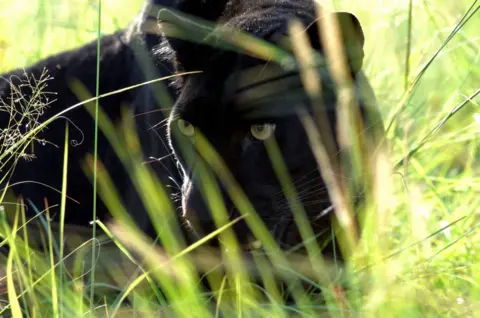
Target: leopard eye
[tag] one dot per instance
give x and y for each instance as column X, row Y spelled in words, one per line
column 186, row 128
column 262, row 131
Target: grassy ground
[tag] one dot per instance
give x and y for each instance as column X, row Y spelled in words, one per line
column 437, row 274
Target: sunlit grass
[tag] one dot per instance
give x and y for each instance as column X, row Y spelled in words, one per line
column 418, row 254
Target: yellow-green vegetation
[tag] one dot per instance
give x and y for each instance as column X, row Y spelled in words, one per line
column 419, row 253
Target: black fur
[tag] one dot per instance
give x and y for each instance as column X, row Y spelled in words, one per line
column 208, row 102
column 125, row 60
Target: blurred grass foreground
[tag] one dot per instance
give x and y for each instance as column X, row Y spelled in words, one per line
column 419, row 252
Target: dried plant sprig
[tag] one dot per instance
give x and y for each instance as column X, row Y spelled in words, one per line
column 27, row 102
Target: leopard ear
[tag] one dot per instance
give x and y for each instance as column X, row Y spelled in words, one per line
column 209, row 10
column 352, row 35
column 185, row 26
column 354, row 39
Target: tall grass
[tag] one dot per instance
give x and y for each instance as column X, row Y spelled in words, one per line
column 418, row 254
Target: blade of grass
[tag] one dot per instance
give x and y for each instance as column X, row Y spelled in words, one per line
column 62, row 213
column 409, row 43
column 95, row 150
column 28, row 261
column 53, row 280
column 12, row 293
